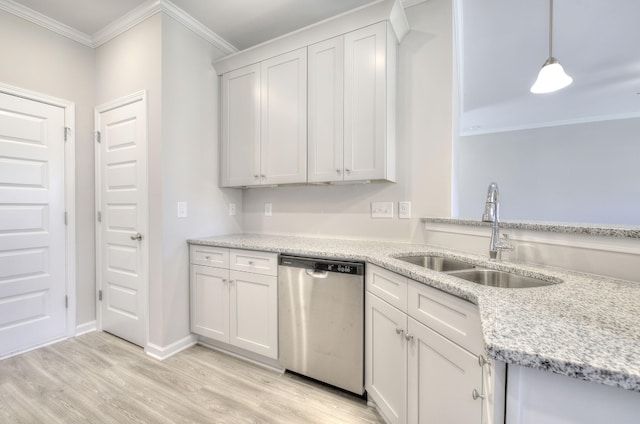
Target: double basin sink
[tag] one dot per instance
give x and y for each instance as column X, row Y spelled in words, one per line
column 470, row 272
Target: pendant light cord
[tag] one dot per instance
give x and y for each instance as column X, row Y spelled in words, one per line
column 550, row 28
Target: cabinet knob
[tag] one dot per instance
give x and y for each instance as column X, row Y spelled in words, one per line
column 256, row 176
column 408, row 337
column 136, row 236
column 263, row 176
column 225, row 281
column 347, row 170
column 338, row 171
column 475, row 395
column 231, row 281
column 207, row 257
column 251, row 263
column 399, row 331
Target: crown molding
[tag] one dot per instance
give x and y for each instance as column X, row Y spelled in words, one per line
column 46, row 22
column 120, row 25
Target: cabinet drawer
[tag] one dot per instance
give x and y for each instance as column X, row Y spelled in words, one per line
column 452, row 317
column 388, row 286
column 209, row 256
column 253, row 261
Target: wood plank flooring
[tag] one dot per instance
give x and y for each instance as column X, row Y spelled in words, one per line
column 98, row 378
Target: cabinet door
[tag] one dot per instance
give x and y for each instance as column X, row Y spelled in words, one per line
column 254, row 312
column 442, row 377
column 209, row 291
column 241, row 127
column 284, row 118
column 365, row 103
column 386, row 358
column 326, row 110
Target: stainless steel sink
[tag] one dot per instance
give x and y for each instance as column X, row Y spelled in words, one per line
column 437, row 263
column 494, row 278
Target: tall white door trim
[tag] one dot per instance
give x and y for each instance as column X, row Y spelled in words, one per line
column 143, row 206
column 69, row 190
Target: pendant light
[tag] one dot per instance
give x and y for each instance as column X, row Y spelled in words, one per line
column 552, row 76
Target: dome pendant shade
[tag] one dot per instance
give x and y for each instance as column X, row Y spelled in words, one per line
column 551, row 77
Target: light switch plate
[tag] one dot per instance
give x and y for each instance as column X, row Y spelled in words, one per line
column 381, row 209
column 268, row 209
column 404, row 209
column 182, row 209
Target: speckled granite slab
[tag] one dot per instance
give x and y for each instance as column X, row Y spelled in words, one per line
column 622, row 231
column 587, row 327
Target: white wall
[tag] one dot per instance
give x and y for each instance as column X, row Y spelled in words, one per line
column 574, row 173
column 424, row 152
column 37, row 59
column 190, row 166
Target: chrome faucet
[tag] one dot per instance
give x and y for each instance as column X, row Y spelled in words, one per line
column 491, row 213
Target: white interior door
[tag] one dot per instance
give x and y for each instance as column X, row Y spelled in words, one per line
column 122, row 193
column 32, row 224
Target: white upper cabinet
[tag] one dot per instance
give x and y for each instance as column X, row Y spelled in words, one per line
column 369, row 103
column 326, row 110
column 352, row 106
column 284, row 119
column 333, row 83
column 264, row 122
column 241, row 127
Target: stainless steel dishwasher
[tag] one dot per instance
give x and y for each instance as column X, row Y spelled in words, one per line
column 321, row 320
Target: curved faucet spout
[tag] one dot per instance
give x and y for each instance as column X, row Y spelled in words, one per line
column 491, row 214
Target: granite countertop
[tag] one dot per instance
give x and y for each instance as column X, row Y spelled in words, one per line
column 587, row 327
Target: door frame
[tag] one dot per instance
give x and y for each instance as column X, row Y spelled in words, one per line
column 143, row 206
column 69, row 192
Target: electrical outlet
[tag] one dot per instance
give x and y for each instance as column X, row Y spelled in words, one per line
column 381, row 209
column 182, row 209
column 232, row 209
column 268, row 209
column 404, row 210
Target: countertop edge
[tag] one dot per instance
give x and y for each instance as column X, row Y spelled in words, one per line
column 618, row 231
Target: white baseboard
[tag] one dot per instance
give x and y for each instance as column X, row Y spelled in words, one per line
column 85, row 328
column 245, row 355
column 161, row 353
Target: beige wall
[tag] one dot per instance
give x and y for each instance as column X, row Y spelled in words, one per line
column 189, row 167
column 39, row 60
column 424, row 152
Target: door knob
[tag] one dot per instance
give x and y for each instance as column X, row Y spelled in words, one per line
column 136, row 236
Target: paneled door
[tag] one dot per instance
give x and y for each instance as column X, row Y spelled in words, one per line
column 32, row 224
column 122, row 192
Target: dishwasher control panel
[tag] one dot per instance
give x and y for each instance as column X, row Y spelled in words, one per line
column 342, row 267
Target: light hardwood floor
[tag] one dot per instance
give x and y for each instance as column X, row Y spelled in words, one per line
column 98, row 378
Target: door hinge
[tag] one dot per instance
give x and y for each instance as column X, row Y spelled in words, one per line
column 65, row 218
column 99, row 216
column 67, row 130
column 100, row 295
column 66, row 302
column 98, row 138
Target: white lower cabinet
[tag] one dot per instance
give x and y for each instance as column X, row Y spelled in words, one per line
column 235, row 307
column 419, row 374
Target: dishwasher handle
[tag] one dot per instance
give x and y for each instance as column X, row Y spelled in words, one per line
column 316, row 273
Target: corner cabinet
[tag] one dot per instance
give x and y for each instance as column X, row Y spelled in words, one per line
column 424, row 355
column 352, row 85
column 264, row 122
column 234, row 298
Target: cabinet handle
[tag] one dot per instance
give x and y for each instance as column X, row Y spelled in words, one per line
column 475, row 395
column 482, row 361
column 408, row 337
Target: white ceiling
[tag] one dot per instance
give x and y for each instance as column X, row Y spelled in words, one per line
column 505, row 42
column 243, row 23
